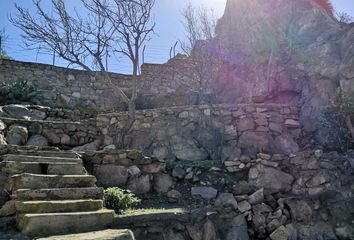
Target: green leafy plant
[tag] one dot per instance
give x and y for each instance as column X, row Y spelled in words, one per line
column 120, row 200
column 17, row 92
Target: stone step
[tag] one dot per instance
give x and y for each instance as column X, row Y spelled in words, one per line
column 51, row 168
column 110, row 234
column 58, row 194
column 61, row 154
column 46, row 224
column 59, row 206
column 39, row 159
column 39, row 181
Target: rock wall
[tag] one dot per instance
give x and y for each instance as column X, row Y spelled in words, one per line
column 63, row 87
column 40, row 126
column 302, row 196
column 161, row 85
column 207, row 132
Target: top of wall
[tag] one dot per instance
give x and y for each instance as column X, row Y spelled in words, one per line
column 42, row 66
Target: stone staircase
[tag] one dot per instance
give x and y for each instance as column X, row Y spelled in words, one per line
column 53, row 194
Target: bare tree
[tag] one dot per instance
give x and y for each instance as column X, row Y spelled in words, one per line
column 3, row 38
column 200, row 48
column 131, row 19
column 344, row 17
column 109, row 28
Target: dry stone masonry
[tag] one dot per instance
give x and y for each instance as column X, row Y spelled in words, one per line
column 208, row 132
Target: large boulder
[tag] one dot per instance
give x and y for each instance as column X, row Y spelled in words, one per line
column 238, row 229
column 163, row 182
column 17, row 135
column 22, row 112
column 271, row 179
column 285, row 144
column 140, row 184
column 259, row 141
column 37, row 140
column 186, row 149
column 109, row 175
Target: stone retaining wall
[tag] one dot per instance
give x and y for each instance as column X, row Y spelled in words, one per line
column 207, row 132
column 40, row 126
column 306, row 195
column 65, row 87
column 161, row 85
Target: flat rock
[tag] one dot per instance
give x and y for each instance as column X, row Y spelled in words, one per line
column 204, row 192
column 271, row 179
column 37, row 140
column 104, row 234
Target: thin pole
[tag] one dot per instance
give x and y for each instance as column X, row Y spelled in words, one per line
column 144, row 54
column 53, row 56
column 174, row 49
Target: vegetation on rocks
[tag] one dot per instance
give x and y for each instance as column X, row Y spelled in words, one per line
column 17, row 92
column 120, row 200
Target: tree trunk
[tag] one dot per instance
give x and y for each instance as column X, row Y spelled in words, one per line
column 128, row 125
column 350, row 127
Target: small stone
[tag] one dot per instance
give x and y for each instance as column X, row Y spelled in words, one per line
column 257, row 197
column 174, row 194
column 226, row 200
column 244, row 206
column 345, row 232
column 273, row 224
column 269, row 163
column 280, row 233
column 242, row 166
column 318, row 153
column 154, row 168
column 189, row 176
column 278, row 157
column 194, row 232
column 231, row 163
column 65, row 139
column 76, row 95
column 312, row 164
column 205, row 192
column 2, row 126
column 178, row 172
column 209, row 231
column 162, row 182
column 8, row 209
column 264, row 156
column 110, row 147
column 140, row 184
column 133, row 171
column 292, row 123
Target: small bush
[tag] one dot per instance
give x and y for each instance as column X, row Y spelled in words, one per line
column 120, row 200
column 331, row 130
column 17, row 92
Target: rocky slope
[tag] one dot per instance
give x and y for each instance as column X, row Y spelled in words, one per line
column 284, row 50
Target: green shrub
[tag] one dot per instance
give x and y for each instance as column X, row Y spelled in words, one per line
column 120, row 200
column 17, row 92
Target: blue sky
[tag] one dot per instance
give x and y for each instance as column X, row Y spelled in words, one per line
column 168, row 29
